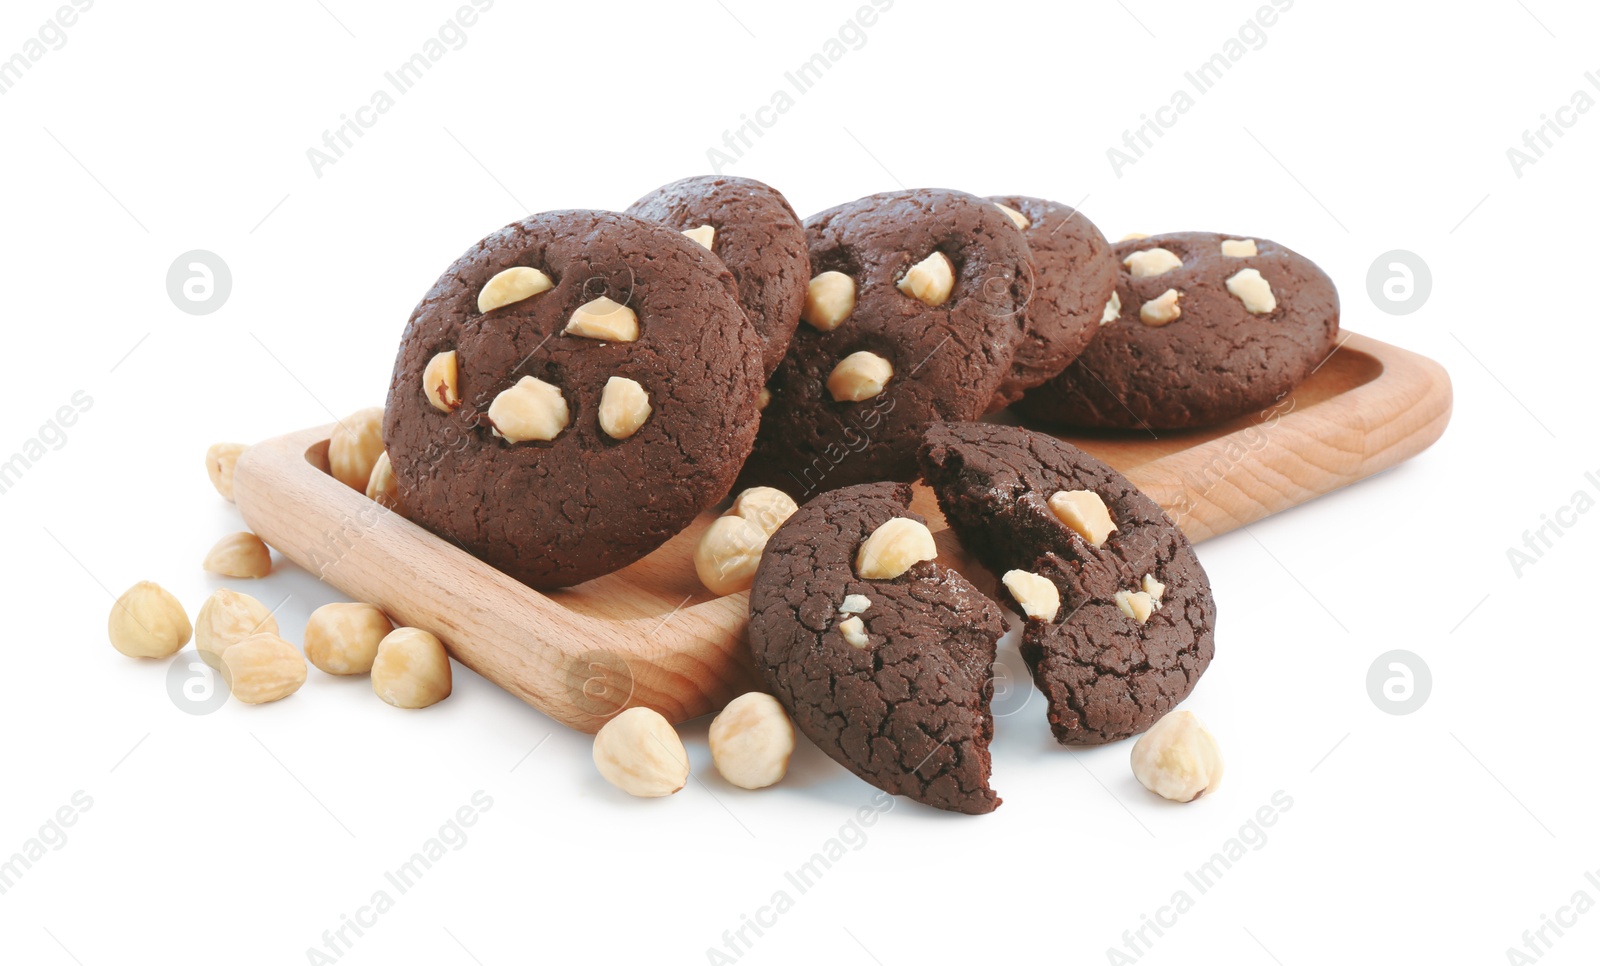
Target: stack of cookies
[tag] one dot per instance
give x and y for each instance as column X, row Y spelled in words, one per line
column 581, row 385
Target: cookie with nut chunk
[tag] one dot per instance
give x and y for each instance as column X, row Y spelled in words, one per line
column 1075, row 278
column 913, row 314
column 571, row 393
column 1118, row 615
column 1203, row 328
column 881, row 655
column 752, row 228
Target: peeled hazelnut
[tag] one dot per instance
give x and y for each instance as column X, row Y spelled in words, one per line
column 532, row 409
column 221, row 458
column 411, row 669
column 930, row 280
column 263, row 668
column 1236, row 248
column 1133, row 236
column 227, row 618
column 830, row 298
column 354, row 447
column 1037, row 596
column 854, row 632
column 855, row 604
column 1016, row 216
column 383, row 489
column 728, row 554
column 765, row 507
column 1161, row 309
column 640, row 753
column 1153, row 587
column 1151, row 262
column 439, row 382
column 859, row 376
column 1085, row 513
column 1137, row 604
column 344, row 638
column 1178, row 758
column 512, row 285
column 1253, row 290
column 764, row 399
column 893, row 548
column 1112, row 311
column 751, row 741
column 705, row 235
column 239, row 555
column 624, row 407
column 605, row 320
column 147, row 621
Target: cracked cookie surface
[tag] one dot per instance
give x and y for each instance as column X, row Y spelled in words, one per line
column 1216, row 360
column 906, row 707
column 1105, row 673
column 560, row 511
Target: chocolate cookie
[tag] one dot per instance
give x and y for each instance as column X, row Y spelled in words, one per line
column 1075, row 276
column 571, row 393
column 1209, row 327
column 913, row 315
column 890, row 675
column 756, row 234
column 1121, row 624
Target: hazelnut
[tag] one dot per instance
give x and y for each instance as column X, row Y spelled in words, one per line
column 1153, row 587
column 512, row 285
column 383, row 489
column 705, row 235
column 1133, row 236
column 751, row 741
column 411, row 669
column 239, row 555
column 221, row 458
column 1037, row 596
column 1112, row 311
column 344, row 638
column 439, row 382
column 225, row 619
column 263, row 668
column 764, row 399
column 354, row 447
column 147, row 621
column 1239, row 248
column 855, row 604
column 930, row 280
column 859, row 376
column 1178, row 758
column 605, row 320
column 1161, row 309
column 1137, row 604
column 765, row 507
column 728, row 554
column 1253, row 290
column 624, row 407
column 1085, row 513
column 854, row 632
column 531, row 409
column 1017, row 217
column 638, row 752
column 893, row 548
column 830, row 298
column 1152, row 262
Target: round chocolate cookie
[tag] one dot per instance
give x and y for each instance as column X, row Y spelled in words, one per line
column 1128, row 629
column 756, row 234
column 571, row 393
column 1209, row 327
column 913, row 314
column 1072, row 288
column 891, row 676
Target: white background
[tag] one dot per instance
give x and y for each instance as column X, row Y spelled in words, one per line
column 239, row 837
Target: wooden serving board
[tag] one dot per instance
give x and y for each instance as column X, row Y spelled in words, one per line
column 651, row 635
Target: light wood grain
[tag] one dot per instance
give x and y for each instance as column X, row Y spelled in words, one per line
column 651, row 635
